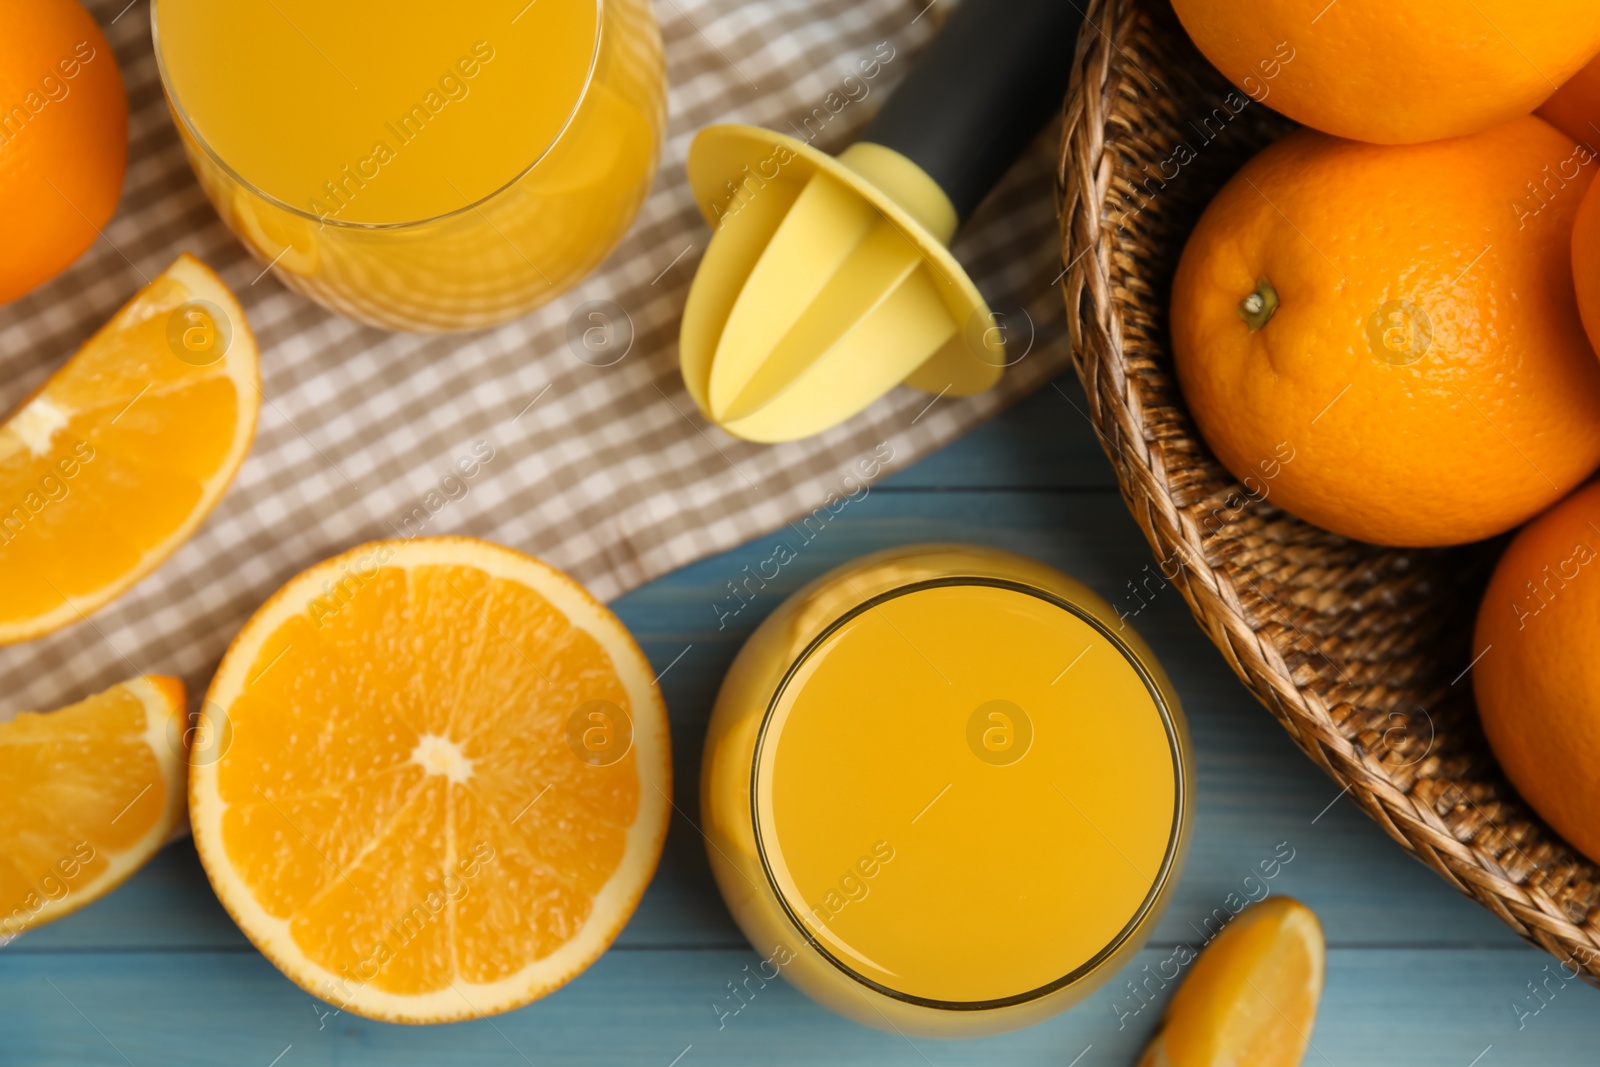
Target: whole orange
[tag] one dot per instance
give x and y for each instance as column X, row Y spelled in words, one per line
column 1586, row 262
column 1536, row 678
column 1396, row 73
column 63, row 139
column 1385, row 341
column 1575, row 107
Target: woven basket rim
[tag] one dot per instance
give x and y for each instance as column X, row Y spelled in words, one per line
column 1095, row 257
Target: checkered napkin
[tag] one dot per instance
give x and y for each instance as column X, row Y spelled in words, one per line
column 607, row 472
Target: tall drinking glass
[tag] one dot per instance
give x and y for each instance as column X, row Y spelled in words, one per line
column 419, row 165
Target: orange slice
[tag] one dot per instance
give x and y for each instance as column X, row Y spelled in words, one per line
column 440, row 781
column 91, row 792
column 110, row 466
column 1251, row 999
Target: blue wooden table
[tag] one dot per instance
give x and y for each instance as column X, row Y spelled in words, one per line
column 156, row 974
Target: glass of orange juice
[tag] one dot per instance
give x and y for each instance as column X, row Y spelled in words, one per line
column 946, row 791
column 417, row 165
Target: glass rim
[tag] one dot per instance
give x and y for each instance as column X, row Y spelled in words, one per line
column 1176, row 838
column 175, row 105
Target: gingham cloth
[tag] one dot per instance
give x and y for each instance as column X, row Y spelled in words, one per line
column 607, row 472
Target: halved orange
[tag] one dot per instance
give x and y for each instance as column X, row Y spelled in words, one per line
column 91, row 792
column 110, row 466
column 440, row 781
column 1252, row 996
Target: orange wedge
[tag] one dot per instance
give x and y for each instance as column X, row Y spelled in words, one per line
column 440, row 781
column 91, row 792
column 110, row 466
column 1251, row 999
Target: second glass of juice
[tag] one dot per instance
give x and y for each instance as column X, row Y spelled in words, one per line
column 419, row 166
column 946, row 791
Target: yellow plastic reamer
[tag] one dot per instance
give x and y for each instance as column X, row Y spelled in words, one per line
column 829, row 281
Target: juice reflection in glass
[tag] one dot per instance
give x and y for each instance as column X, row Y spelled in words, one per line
column 419, row 165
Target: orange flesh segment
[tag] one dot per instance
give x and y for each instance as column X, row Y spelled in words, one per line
column 400, row 789
column 84, row 786
column 1252, row 996
column 105, row 469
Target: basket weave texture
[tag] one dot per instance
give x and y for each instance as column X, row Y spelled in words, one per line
column 1362, row 653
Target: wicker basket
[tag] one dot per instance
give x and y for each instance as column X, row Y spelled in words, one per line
column 1361, row 652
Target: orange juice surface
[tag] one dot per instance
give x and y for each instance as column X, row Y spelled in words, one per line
column 966, row 794
column 413, row 164
column 378, row 113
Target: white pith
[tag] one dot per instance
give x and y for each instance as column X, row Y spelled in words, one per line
column 441, row 755
column 36, row 424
